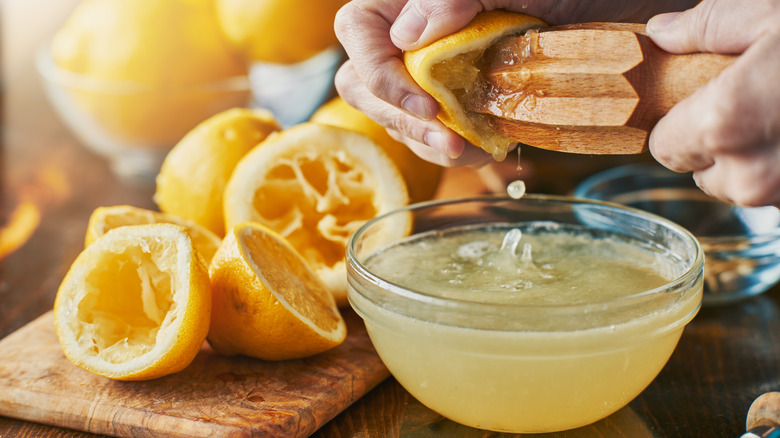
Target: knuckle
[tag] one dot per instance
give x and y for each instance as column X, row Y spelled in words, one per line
column 404, row 124
column 438, row 10
column 345, row 77
column 380, row 82
column 349, row 24
column 343, row 22
column 719, row 128
column 432, row 9
column 409, row 126
column 705, row 25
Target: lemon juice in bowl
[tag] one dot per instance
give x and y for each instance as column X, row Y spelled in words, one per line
column 531, row 315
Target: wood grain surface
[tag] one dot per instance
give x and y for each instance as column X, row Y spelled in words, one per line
column 214, row 396
column 590, row 88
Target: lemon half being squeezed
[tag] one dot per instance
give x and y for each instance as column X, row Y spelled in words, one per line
column 446, row 69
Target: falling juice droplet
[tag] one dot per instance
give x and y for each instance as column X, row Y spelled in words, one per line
column 519, row 165
column 516, row 189
column 510, row 242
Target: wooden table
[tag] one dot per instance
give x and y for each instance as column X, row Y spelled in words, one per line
column 726, row 358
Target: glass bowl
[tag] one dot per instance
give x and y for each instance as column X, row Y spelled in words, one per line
column 133, row 125
column 741, row 244
column 507, row 357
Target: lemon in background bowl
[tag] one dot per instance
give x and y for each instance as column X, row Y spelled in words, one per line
column 131, row 77
column 279, row 31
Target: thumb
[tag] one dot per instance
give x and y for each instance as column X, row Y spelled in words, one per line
column 711, row 26
column 422, row 22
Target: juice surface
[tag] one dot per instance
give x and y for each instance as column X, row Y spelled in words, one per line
column 538, row 266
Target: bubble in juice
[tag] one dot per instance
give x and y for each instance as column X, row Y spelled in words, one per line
column 550, row 267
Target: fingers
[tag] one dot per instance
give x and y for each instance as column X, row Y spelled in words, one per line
column 471, row 155
column 430, row 140
column 746, row 180
column 712, row 26
column 424, row 132
column 423, row 22
column 728, row 132
column 363, row 28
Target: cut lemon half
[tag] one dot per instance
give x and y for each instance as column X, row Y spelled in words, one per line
column 422, row 177
column 135, row 304
column 267, row 303
column 315, row 185
column 195, row 171
column 446, row 70
column 104, row 219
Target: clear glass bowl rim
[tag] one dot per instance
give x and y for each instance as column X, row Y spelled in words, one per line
column 690, row 276
column 585, row 188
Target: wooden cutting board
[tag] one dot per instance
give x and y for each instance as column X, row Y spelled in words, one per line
column 214, row 396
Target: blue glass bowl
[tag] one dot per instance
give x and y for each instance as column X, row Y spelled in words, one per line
column 741, row 244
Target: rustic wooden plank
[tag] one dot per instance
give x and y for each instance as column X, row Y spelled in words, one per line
column 214, row 396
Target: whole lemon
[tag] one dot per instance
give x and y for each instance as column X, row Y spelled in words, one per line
column 279, row 31
column 151, row 69
column 195, row 172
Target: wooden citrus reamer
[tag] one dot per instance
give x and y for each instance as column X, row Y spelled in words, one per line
column 593, row 88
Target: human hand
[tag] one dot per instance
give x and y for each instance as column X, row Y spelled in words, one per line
column 374, row 33
column 728, row 132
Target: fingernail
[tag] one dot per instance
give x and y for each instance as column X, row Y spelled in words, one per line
column 661, row 22
column 415, row 105
column 409, row 26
